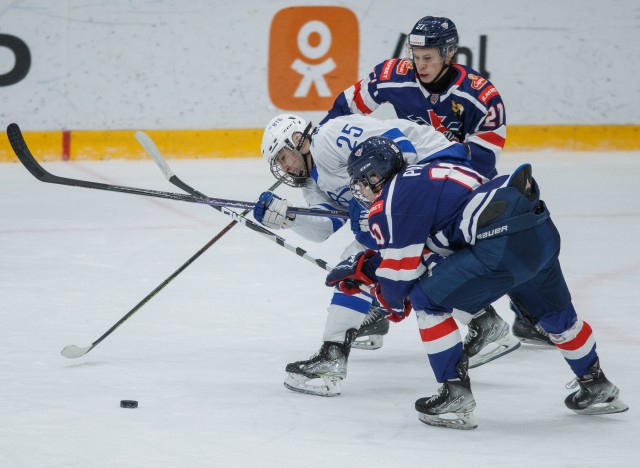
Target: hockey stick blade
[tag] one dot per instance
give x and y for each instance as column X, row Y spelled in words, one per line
column 25, row 156
column 73, row 351
column 150, row 147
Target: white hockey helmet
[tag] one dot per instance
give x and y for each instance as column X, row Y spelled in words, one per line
column 278, row 135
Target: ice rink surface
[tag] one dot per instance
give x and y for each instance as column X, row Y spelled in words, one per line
column 205, row 358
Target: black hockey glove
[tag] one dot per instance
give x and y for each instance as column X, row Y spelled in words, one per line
column 348, row 275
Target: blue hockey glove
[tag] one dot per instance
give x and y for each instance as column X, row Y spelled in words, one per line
column 271, row 210
column 359, row 217
column 348, row 275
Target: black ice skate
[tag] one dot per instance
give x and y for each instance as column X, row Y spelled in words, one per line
column 321, row 374
column 529, row 330
column 596, row 394
column 488, row 338
column 452, row 406
column 373, row 328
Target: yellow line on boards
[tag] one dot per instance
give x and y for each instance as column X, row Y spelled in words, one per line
column 573, row 137
column 81, row 145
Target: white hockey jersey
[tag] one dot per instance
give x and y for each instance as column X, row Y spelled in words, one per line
column 332, row 143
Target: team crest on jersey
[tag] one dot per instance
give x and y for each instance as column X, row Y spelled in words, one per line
column 437, row 122
column 477, row 82
column 434, row 99
column 403, row 67
column 457, row 109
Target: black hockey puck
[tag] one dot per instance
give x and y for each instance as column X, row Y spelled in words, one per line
column 128, row 404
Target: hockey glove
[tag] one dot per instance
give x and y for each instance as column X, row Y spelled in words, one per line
column 348, row 275
column 359, row 217
column 271, row 210
column 394, row 315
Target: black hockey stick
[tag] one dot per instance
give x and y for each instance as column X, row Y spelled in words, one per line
column 149, row 145
column 73, row 351
column 23, row 153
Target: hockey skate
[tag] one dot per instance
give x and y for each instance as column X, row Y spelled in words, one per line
column 453, row 405
column 528, row 330
column 596, row 395
column 372, row 330
column 488, row 338
column 322, row 373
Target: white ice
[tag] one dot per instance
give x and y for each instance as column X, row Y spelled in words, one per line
column 205, row 357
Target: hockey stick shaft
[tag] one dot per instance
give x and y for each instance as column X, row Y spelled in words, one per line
column 73, row 351
column 25, row 156
column 149, row 145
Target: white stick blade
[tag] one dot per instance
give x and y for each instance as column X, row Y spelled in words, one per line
column 150, row 147
column 73, row 351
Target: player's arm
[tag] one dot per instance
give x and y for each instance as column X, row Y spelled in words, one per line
column 317, row 228
column 389, row 273
column 401, row 256
column 486, row 131
column 400, row 232
column 357, row 99
column 271, row 211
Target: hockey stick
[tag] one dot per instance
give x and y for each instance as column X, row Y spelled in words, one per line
column 149, row 145
column 23, row 153
column 73, row 351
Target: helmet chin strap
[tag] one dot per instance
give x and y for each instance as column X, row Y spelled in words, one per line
column 442, row 71
column 440, row 74
column 442, row 81
column 444, row 68
column 305, row 135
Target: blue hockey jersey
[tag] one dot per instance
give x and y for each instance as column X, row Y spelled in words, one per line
column 469, row 111
column 424, row 214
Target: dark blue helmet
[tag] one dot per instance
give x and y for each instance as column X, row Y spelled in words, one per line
column 371, row 164
column 433, row 31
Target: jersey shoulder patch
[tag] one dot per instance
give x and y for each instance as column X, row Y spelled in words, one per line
column 395, row 70
column 472, row 83
column 489, row 93
column 376, row 207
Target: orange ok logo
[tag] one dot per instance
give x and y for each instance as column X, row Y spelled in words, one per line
column 313, row 56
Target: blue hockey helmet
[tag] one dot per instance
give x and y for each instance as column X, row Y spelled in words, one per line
column 371, row 164
column 433, row 31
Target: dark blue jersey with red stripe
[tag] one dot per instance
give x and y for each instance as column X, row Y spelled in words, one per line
column 470, row 110
column 424, row 214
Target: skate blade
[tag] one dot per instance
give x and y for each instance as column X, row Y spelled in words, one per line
column 612, row 407
column 370, row 342
column 464, row 421
column 324, row 386
column 498, row 348
column 534, row 342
